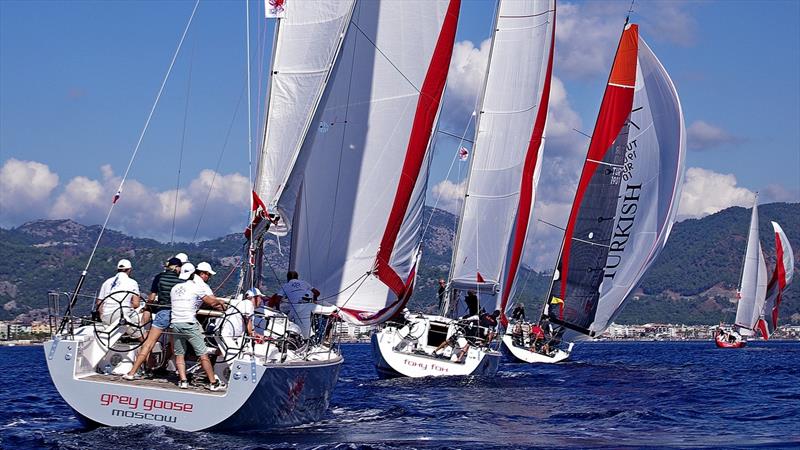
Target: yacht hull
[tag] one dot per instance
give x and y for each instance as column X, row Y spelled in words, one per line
column 522, row 355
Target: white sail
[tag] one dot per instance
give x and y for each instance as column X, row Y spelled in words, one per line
column 355, row 193
column 627, row 195
column 506, row 156
column 753, row 285
column 306, row 43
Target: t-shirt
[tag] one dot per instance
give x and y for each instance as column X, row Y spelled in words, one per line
column 294, row 290
column 118, row 283
column 234, row 324
column 162, row 286
column 186, row 299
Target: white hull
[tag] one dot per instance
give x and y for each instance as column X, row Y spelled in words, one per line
column 396, row 358
column 524, row 355
column 259, row 395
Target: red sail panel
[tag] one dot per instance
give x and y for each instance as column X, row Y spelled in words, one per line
column 614, row 111
column 526, row 186
column 427, row 107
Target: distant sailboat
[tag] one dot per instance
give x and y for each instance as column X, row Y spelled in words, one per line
column 494, row 220
column 752, row 291
column 624, row 206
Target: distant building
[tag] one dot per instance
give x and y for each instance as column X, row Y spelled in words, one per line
column 39, row 327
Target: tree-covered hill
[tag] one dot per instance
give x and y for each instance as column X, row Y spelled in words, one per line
column 693, row 281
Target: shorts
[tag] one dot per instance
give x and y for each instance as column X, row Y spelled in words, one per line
column 162, row 318
column 192, row 334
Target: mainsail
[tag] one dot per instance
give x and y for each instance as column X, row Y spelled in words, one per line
column 781, row 277
column 627, row 193
column 355, row 190
column 506, row 158
column 753, row 286
column 307, row 40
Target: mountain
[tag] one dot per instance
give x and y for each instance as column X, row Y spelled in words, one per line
column 693, row 281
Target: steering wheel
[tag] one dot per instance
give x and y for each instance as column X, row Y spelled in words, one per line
column 230, row 346
column 121, row 316
column 422, row 325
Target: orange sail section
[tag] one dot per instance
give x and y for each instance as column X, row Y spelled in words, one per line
column 623, row 73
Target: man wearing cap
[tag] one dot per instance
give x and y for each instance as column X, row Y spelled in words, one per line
column 295, row 291
column 160, row 303
column 239, row 316
column 118, row 294
column 186, row 299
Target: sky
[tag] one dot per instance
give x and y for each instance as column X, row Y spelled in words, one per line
column 78, row 81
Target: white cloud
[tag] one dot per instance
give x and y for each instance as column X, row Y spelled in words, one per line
column 702, row 135
column 448, row 195
column 25, row 187
column 80, row 197
column 778, row 193
column 706, row 192
column 464, row 81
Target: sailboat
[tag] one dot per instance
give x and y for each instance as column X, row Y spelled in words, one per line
column 752, row 291
column 495, row 214
column 624, row 206
column 354, row 91
column 778, row 282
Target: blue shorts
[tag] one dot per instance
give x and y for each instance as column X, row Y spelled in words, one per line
column 162, row 319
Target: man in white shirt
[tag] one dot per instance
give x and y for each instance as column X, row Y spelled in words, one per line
column 294, row 292
column 239, row 321
column 119, row 295
column 186, row 299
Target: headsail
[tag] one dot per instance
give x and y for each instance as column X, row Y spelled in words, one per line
column 753, row 286
column 307, row 40
column 627, row 193
column 781, row 277
column 506, row 158
column 355, row 193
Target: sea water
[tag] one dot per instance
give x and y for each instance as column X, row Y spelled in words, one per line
column 610, row 394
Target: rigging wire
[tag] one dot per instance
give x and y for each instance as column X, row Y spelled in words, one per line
column 143, row 132
column 183, row 142
column 219, row 162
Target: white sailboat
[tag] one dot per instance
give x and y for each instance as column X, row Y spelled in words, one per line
column 495, row 215
column 352, row 100
column 752, row 291
column 624, row 206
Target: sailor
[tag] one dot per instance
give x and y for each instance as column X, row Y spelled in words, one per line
column 473, row 304
column 182, row 257
column 537, row 336
column 186, row 299
column 294, row 291
column 160, row 303
column 519, row 312
column 239, row 316
column 109, row 303
column 441, row 295
column 455, row 341
column 488, row 323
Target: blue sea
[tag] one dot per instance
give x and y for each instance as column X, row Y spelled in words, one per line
column 611, row 394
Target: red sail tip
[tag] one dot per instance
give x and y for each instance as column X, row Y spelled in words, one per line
column 624, row 71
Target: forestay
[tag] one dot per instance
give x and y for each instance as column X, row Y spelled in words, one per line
column 355, row 193
column 778, row 282
column 753, row 286
column 307, row 40
column 506, row 158
column 627, row 194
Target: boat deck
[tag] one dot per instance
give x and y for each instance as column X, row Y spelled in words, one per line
column 169, row 383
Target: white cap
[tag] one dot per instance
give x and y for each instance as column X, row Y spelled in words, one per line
column 124, row 264
column 182, row 256
column 253, row 292
column 186, row 271
column 205, row 267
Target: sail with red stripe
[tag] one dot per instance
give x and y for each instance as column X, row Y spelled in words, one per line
column 506, row 157
column 753, row 285
column 627, row 193
column 779, row 281
column 355, row 193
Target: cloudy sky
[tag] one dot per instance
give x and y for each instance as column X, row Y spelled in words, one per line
column 78, row 80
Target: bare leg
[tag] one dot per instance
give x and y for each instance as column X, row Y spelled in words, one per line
column 180, row 361
column 463, row 353
column 205, row 363
column 152, row 337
